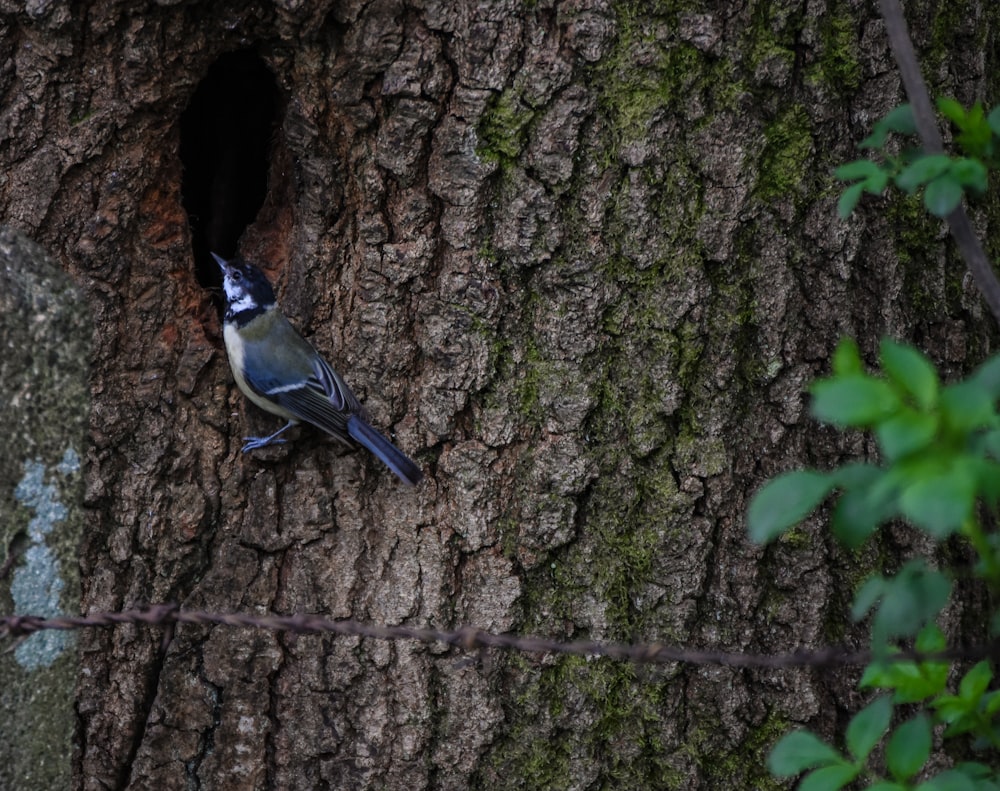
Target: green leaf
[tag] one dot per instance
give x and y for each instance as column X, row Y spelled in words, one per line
column 987, row 377
column 975, row 117
column 849, row 200
column 858, row 169
column 911, row 681
column 907, row 680
column 867, row 596
column 921, row 171
column 958, row 713
column 908, row 601
column 950, row 780
column 857, row 474
column 785, row 501
column 906, row 432
column 968, row 405
column 990, row 443
column 952, row 110
column 898, row 120
column 909, row 747
column 864, row 503
column 800, row 750
column 976, row 136
column 971, row 174
column 910, row 371
column 942, row 195
column 993, row 119
column 986, row 474
column 974, row 769
column 829, row 778
column 975, row 682
column 876, row 139
column 939, row 502
column 950, row 708
column 877, row 182
column 853, row 400
column 931, row 640
column 867, row 727
column 847, row 358
column 863, row 506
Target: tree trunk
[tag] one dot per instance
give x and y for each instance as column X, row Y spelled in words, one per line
column 580, row 258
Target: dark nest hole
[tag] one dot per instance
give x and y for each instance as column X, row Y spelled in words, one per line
column 226, row 137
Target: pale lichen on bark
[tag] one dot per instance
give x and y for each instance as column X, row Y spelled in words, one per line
column 44, row 403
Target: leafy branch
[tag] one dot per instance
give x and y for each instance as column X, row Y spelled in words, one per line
column 940, row 451
column 944, row 178
column 958, row 220
column 939, row 471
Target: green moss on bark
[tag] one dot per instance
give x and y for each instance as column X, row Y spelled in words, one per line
column 676, row 313
column 837, row 67
column 788, row 148
column 503, row 131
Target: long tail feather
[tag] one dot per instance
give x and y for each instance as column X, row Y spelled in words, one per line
column 393, row 457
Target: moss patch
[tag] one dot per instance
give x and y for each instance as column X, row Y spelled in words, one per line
column 669, row 317
column 620, row 748
column 503, row 130
column 788, row 148
column 650, row 72
column 745, row 767
column 838, row 67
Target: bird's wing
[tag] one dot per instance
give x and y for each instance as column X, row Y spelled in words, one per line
column 300, row 381
column 336, row 389
column 310, row 403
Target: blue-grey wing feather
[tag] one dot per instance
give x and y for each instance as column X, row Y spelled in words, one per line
column 300, row 381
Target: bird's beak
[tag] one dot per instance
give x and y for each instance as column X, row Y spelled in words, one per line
column 223, row 264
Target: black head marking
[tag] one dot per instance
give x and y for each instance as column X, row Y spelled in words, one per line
column 247, row 289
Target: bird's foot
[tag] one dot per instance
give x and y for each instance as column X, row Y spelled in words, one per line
column 253, row 443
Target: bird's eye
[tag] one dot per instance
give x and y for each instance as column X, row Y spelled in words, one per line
column 237, row 275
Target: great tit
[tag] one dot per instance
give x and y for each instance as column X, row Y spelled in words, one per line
column 282, row 373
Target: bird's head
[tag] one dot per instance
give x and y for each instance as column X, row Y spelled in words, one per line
column 247, row 288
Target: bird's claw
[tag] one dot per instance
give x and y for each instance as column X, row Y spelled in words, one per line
column 253, row 443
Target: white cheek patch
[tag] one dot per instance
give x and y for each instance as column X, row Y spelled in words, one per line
column 242, row 301
column 233, row 292
column 237, row 296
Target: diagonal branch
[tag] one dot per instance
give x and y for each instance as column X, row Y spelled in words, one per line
column 923, row 113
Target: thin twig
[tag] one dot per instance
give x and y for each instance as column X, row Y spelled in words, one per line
column 469, row 638
column 958, row 221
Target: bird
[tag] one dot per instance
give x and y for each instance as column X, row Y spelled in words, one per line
column 281, row 372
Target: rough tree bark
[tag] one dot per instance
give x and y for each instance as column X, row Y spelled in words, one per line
column 581, row 257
